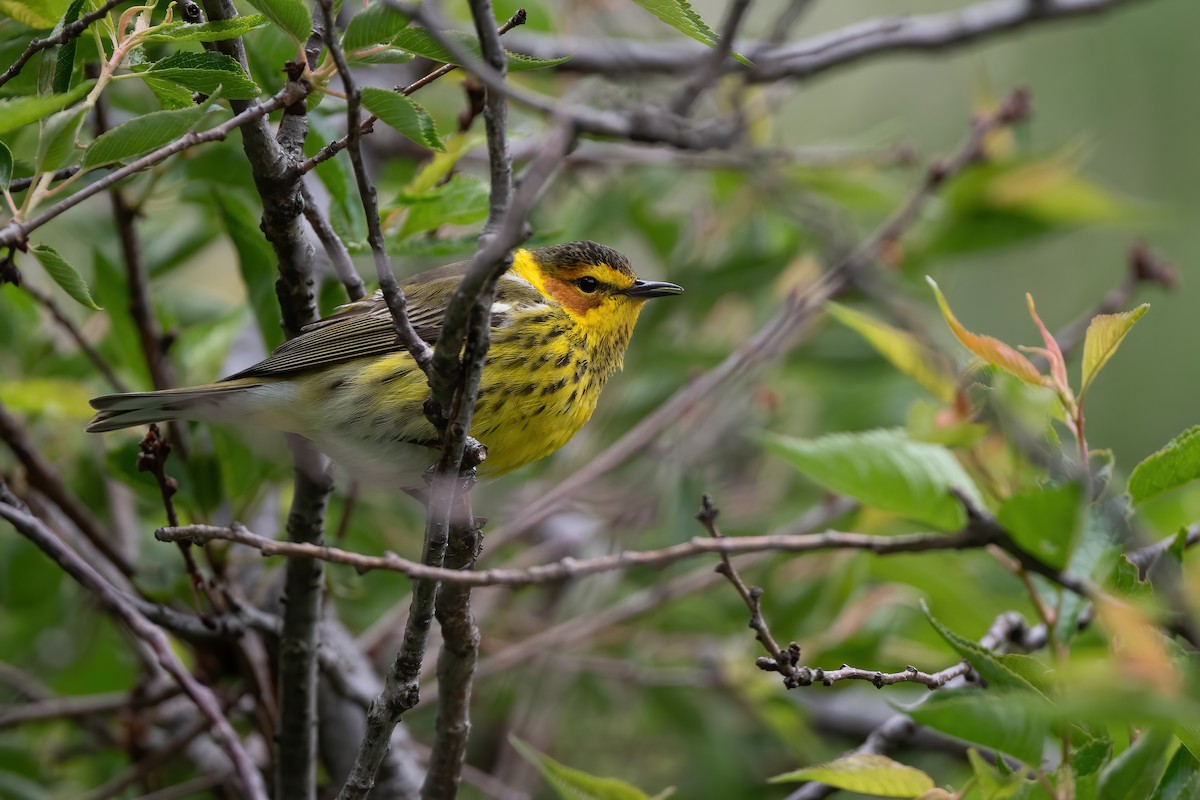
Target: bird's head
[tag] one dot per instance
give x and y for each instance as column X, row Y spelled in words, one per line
column 594, row 284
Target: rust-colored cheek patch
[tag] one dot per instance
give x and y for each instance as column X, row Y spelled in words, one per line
column 571, row 298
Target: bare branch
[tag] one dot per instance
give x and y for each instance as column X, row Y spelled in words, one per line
column 393, row 295
column 45, row 478
column 922, row 34
column 714, row 64
column 33, row 529
column 82, row 706
column 572, row 569
column 335, row 248
column 368, row 125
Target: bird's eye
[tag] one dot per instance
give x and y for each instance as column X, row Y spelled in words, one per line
column 588, row 284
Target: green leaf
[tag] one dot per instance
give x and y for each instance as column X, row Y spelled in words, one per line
column 38, row 14
column 901, row 348
column 1134, row 773
column 205, row 72
column 18, row 112
column 56, row 146
column 680, row 15
column 885, row 469
column 1104, row 335
column 1044, row 520
column 170, row 95
column 419, row 41
column 573, row 784
column 401, row 113
column 1007, row 202
column 1189, row 735
column 990, row 349
column 345, row 206
column 1092, row 558
column 64, row 65
column 985, row 718
column 983, row 661
column 1181, row 780
column 6, row 167
column 992, row 784
column 64, row 275
column 375, row 24
column 462, row 200
column 1088, row 757
column 216, row 31
column 145, row 133
column 256, row 261
column 866, row 774
column 1169, row 468
column 292, row 17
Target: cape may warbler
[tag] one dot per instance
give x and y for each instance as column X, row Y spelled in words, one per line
column 561, row 321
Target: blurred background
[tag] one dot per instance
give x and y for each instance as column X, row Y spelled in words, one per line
column 649, row 675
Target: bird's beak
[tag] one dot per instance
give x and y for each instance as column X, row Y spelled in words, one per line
column 644, row 290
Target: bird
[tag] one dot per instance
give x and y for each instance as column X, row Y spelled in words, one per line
column 561, row 321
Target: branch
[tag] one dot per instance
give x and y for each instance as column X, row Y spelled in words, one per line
column 299, row 639
column 150, row 335
column 43, row 477
column 69, row 31
column 14, row 234
column 456, row 662
column 645, row 124
column 714, row 63
column 924, row 34
column 82, row 706
column 573, row 569
column 335, row 248
column 33, row 529
column 273, row 162
column 1009, row 628
column 453, row 386
column 368, row 125
column 393, row 295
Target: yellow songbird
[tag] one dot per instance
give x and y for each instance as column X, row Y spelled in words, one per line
column 560, row 323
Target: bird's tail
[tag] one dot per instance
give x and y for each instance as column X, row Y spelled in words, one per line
column 116, row 411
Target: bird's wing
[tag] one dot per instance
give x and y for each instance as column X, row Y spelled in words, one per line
column 364, row 328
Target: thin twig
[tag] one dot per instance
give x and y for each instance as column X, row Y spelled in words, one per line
column 1009, row 631
column 69, row 31
column 714, row 62
column 368, row 125
column 859, row 41
column 42, row 475
column 33, row 529
column 335, row 248
column 155, row 760
column 393, row 295
column 22, row 184
column 82, row 706
column 573, row 569
column 15, row 233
